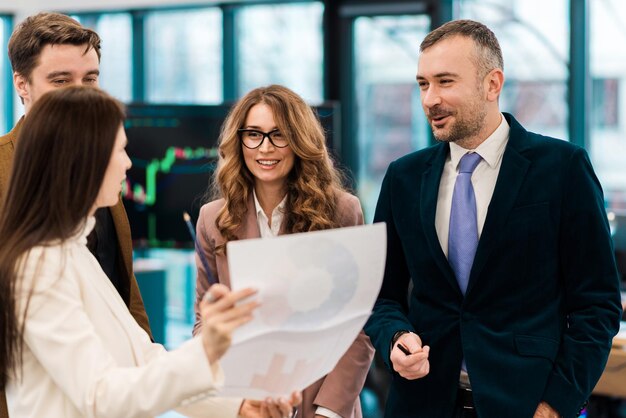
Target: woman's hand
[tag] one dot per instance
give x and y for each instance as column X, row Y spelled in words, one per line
column 220, row 317
column 270, row 408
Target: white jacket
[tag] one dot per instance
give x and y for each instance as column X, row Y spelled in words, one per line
column 85, row 356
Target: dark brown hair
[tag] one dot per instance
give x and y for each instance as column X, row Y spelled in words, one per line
column 35, row 32
column 62, row 153
column 488, row 52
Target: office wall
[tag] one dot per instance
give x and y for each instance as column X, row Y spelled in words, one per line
column 24, row 8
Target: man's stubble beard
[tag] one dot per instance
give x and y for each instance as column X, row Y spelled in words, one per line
column 464, row 128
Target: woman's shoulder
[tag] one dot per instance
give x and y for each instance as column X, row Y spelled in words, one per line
column 211, row 209
column 349, row 209
column 42, row 265
column 347, row 200
column 208, row 215
column 48, row 254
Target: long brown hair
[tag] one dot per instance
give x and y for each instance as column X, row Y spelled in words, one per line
column 62, row 153
column 313, row 184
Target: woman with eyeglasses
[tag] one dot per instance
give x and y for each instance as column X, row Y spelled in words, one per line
column 275, row 176
column 69, row 346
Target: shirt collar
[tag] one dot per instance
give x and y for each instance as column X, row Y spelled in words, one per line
column 83, row 229
column 490, row 150
column 259, row 210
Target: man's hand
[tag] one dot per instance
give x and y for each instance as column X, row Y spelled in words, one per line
column 414, row 365
column 270, row 408
column 545, row 411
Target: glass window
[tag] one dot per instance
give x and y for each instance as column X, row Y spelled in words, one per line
column 115, row 30
column 391, row 122
column 184, row 56
column 608, row 111
column 5, row 85
column 535, row 47
column 116, row 66
column 281, row 44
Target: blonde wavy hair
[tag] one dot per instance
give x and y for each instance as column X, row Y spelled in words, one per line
column 314, row 183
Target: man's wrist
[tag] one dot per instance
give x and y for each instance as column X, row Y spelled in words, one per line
column 396, row 337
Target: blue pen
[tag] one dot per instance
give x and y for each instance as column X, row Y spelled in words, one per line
column 210, row 279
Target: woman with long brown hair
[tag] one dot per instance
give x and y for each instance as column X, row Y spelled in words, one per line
column 68, row 344
column 275, row 176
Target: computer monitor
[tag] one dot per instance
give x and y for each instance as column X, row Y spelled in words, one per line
column 174, row 150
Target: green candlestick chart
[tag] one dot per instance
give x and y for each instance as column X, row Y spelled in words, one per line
column 147, row 195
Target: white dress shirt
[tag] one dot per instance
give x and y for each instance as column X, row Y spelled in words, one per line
column 483, row 180
column 278, row 214
column 85, row 355
column 267, row 231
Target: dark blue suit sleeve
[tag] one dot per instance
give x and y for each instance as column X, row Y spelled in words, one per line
column 390, row 310
column 591, row 289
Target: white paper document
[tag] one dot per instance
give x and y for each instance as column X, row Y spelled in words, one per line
column 317, row 290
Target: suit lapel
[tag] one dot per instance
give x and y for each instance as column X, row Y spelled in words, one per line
column 6, row 164
column 250, row 225
column 510, row 178
column 7, row 147
column 124, row 238
column 248, row 229
column 428, row 208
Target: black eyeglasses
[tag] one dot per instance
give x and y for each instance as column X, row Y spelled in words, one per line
column 251, row 138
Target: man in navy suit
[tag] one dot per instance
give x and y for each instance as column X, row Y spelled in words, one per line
column 502, row 234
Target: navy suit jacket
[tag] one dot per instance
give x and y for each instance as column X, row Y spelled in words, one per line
column 543, row 301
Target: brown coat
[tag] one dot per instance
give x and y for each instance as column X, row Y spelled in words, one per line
column 122, row 230
column 338, row 390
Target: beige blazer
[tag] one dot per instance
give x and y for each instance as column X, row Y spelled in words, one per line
column 86, row 356
column 122, row 229
column 339, row 390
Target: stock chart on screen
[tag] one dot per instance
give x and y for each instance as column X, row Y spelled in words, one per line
column 173, row 149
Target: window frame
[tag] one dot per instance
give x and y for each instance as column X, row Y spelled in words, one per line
column 7, row 75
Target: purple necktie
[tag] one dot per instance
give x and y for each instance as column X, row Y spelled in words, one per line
column 463, row 234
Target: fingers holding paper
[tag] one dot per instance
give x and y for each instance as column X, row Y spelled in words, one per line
column 221, row 316
column 413, row 365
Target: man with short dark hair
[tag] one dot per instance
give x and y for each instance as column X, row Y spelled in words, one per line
column 503, row 234
column 48, row 51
